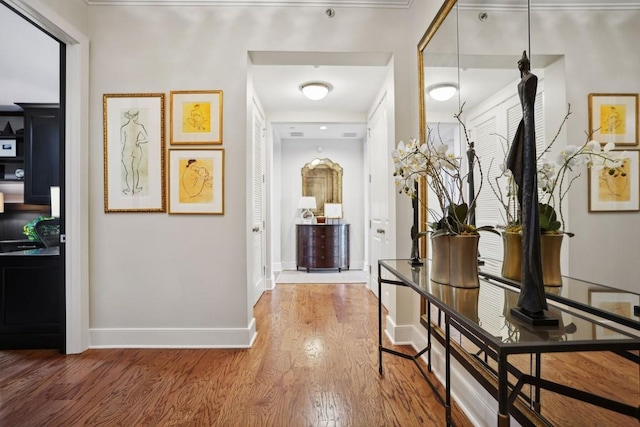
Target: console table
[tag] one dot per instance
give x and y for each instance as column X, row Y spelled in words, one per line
column 322, row 246
column 463, row 314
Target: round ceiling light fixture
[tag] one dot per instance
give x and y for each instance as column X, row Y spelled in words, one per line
column 443, row 91
column 315, row 90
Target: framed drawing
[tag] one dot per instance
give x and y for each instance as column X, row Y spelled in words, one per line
column 614, row 118
column 196, row 181
column 619, row 303
column 615, row 189
column 196, row 117
column 134, row 152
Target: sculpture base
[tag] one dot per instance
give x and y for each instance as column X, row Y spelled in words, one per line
column 534, row 320
column 415, row 262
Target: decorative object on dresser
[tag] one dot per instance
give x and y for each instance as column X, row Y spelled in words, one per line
column 322, row 246
column 306, row 203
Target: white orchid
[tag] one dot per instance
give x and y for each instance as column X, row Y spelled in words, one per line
column 556, row 177
column 434, row 161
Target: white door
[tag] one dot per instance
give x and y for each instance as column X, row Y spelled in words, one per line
column 379, row 180
column 258, row 268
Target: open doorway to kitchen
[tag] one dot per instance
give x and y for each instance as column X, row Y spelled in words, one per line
column 32, row 105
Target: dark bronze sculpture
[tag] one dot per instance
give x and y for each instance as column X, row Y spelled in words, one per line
column 522, row 163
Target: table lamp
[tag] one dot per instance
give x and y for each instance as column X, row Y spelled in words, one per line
column 305, row 203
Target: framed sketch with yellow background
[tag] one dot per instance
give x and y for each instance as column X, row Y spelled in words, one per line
column 196, row 181
column 615, row 189
column 196, row 117
column 134, row 151
column 614, row 118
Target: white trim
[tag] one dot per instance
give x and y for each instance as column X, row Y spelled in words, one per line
column 174, row 337
column 77, row 161
column 475, row 401
column 394, row 4
column 603, row 6
column 399, row 334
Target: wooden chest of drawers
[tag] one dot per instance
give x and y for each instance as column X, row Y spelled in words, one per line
column 322, row 246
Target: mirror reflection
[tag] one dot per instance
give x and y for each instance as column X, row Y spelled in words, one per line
column 322, row 179
column 477, row 50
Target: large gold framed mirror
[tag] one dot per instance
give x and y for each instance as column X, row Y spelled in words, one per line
column 322, row 179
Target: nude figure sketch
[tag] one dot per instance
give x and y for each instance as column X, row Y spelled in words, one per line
column 133, row 137
column 196, row 118
column 196, row 181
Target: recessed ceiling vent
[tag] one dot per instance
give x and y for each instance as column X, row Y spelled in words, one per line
column 349, row 135
column 297, row 134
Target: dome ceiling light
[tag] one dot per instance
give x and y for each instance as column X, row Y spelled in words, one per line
column 443, row 91
column 315, row 90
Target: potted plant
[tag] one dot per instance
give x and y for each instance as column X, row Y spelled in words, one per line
column 454, row 239
column 555, row 179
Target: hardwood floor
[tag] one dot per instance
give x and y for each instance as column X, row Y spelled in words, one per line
column 314, row 363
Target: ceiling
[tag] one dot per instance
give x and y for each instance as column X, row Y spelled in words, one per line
column 355, row 78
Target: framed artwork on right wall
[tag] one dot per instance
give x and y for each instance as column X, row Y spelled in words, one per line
column 615, row 189
column 614, row 118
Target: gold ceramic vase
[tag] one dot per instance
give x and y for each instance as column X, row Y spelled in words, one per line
column 454, row 260
column 550, row 247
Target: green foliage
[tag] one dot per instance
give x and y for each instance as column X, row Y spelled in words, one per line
column 29, row 228
column 456, row 222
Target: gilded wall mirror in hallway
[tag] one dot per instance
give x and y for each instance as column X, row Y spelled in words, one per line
column 322, row 179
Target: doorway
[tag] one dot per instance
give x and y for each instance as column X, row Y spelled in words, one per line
column 35, row 92
column 300, row 130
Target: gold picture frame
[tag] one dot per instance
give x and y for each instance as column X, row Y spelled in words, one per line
column 196, row 181
column 322, row 179
column 616, row 302
column 615, row 189
column 196, row 117
column 134, row 147
column 613, row 117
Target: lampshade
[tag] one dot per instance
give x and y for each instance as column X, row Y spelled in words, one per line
column 315, row 90
column 442, row 92
column 55, row 202
column 307, row 202
column 1, row 202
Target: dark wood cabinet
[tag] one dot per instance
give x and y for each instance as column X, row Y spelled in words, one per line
column 322, row 246
column 42, row 151
column 31, row 301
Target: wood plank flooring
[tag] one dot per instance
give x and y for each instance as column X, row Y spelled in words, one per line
column 314, row 363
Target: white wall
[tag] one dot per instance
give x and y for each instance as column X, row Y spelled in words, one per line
column 348, row 154
column 164, row 280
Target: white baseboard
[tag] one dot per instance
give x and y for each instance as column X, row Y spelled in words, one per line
column 173, row 337
column 476, row 403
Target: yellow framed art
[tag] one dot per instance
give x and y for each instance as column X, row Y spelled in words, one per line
column 196, row 181
column 613, row 117
column 196, row 117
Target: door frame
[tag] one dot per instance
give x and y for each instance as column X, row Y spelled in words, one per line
column 76, row 167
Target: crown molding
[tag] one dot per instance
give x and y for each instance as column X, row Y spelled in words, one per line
column 395, row 4
column 560, row 6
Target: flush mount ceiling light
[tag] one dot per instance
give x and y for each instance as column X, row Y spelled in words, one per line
column 443, row 91
column 315, row 90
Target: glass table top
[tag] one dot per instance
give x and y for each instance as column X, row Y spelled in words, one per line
column 487, row 310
